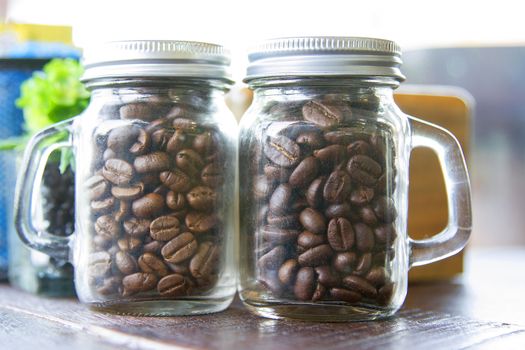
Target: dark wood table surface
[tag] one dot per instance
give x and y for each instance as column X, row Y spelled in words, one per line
column 483, row 309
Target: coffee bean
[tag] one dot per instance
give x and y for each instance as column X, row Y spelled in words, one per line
column 305, row 172
column 337, row 187
column 327, row 276
column 344, row 262
column 128, row 193
column 342, row 210
column 321, row 114
column 136, row 227
column 304, row 284
column 204, row 262
column 280, row 199
column 262, row 187
column 282, row 151
column 189, row 161
column 311, row 139
column 358, row 147
column 273, row 259
column 182, row 268
column 278, row 236
column 109, row 285
column 361, row 195
column 141, row 145
column 176, row 180
column 314, row 193
column 103, row 206
column 152, row 162
column 185, row 124
column 271, row 282
column 96, row 186
column 364, row 170
column 309, row 240
column 340, row 234
column 202, row 198
column 180, row 248
column 319, row 293
column 109, row 154
column 313, row 221
column 177, row 142
column 360, row 285
column 138, row 282
column 276, row 173
column 106, row 225
column 288, row 221
column 148, row 206
column 345, row 295
column 385, row 294
column 364, row 237
column 117, row 171
column 331, row 155
column 212, row 175
column 99, row 264
column 368, row 216
column 204, row 143
column 288, row 271
column 385, row 234
column 153, row 247
column 385, row 209
column 129, row 244
column 121, row 138
column 316, row 256
column 150, row 263
column 342, row 136
column 174, row 285
column 126, row 263
column 160, row 139
column 175, row 200
column 144, row 111
column 199, row 222
column 363, row 264
column 377, row 276
column 164, row 228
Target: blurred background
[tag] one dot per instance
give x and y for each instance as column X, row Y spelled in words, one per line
column 477, row 47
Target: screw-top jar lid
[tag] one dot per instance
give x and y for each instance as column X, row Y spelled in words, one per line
column 325, row 56
column 156, row 58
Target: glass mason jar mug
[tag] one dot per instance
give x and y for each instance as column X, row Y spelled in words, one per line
column 324, row 182
column 155, row 176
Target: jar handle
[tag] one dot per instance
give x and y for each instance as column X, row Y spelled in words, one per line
column 30, row 176
column 455, row 236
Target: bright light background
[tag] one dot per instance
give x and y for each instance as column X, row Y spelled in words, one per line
column 237, row 24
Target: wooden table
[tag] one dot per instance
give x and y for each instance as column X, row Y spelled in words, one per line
column 484, row 309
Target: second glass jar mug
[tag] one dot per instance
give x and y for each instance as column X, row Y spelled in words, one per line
column 155, row 177
column 324, row 182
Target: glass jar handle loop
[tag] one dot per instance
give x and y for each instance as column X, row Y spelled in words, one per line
column 30, row 175
column 455, row 236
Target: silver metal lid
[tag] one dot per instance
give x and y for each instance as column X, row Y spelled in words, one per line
column 156, row 58
column 325, row 56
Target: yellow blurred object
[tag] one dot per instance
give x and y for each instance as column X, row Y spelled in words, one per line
column 450, row 108
column 37, row 32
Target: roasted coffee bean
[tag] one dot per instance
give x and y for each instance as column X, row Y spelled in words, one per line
column 202, row 198
column 385, row 234
column 212, row 175
column 304, row 284
column 103, row 206
column 316, row 256
column 298, row 204
column 342, row 210
column 204, row 143
column 185, row 124
column 368, row 215
column 177, row 142
column 309, row 240
column 363, row 264
column 276, row 173
column 340, row 234
column 344, row 262
column 331, row 155
column 148, row 206
column 175, row 200
column 337, row 187
column 174, row 285
column 326, row 276
column 126, row 263
column 360, row 285
column 138, row 282
column 150, row 263
column 385, row 209
column 129, row 244
column 136, row 227
column 180, row 248
column 311, row 139
column 106, row 225
column 314, row 193
column 144, row 111
column 198, row 222
column 273, row 259
column 164, row 228
column 189, row 162
column 288, row 271
column 361, row 195
column 96, row 186
column 277, row 236
column 313, row 221
column 358, row 147
column 385, row 293
column 160, row 139
column 364, row 170
column 128, row 193
column 109, row 285
column 99, row 264
column 117, row 171
column 345, row 295
column 342, row 136
column 109, row 154
column 377, row 276
column 364, row 237
column 176, row 180
column 280, row 199
column 282, row 151
column 142, row 144
column 204, row 262
column 121, row 138
column 320, row 292
column 323, row 115
column 305, row 172
column 153, row 247
column 270, row 281
column 288, row 221
column 102, row 242
column 181, row 268
column 152, row 162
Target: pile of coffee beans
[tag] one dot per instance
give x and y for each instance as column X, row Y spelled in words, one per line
column 156, row 199
column 323, row 190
